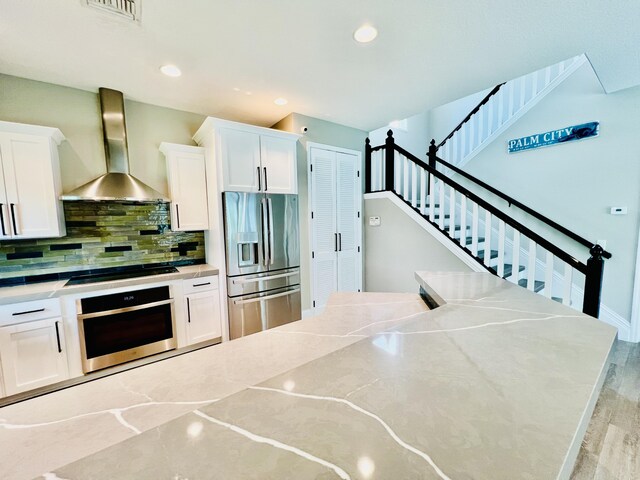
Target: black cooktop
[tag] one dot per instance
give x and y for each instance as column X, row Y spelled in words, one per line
column 120, row 274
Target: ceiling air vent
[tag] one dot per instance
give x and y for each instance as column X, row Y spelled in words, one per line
column 129, row 9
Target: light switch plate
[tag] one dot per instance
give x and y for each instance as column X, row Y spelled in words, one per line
column 374, row 221
column 618, row 210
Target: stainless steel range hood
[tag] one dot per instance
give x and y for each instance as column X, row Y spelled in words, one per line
column 117, row 184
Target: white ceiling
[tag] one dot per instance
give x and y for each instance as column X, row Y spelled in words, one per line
column 428, row 52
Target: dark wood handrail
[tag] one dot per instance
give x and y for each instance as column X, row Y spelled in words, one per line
column 471, row 114
column 561, row 254
column 521, row 206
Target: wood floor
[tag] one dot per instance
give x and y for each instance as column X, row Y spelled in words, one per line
column 611, row 448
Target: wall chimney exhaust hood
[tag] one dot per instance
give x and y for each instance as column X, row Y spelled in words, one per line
column 117, row 184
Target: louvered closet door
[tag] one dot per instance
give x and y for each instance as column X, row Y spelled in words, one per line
column 346, row 215
column 323, row 188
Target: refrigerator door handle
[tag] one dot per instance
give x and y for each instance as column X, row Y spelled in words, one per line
column 264, row 279
column 265, row 233
column 268, row 297
column 271, row 241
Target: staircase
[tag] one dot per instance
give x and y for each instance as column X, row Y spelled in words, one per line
column 487, row 237
column 503, row 106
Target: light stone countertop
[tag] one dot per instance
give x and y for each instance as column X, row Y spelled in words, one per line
column 45, row 290
column 47, row 432
column 497, row 383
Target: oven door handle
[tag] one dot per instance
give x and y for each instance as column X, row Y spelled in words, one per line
column 104, row 313
column 264, row 279
column 268, row 297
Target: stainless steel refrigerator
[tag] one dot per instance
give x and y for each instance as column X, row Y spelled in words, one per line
column 262, row 246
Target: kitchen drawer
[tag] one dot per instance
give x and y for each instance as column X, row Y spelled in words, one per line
column 200, row 284
column 29, row 311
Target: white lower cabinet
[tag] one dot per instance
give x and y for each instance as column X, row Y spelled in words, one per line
column 33, row 355
column 202, row 307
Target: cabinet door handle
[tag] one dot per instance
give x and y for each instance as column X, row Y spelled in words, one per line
column 188, row 311
column 265, row 179
column 12, row 206
column 58, row 337
column 4, row 231
column 259, row 180
column 178, row 215
column 335, row 242
column 201, row 284
column 15, row 314
column 339, row 242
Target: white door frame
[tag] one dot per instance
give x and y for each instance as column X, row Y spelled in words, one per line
column 635, row 302
column 332, row 148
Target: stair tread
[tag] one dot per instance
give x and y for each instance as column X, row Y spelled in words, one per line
column 508, row 269
column 494, row 254
column 469, row 240
column 537, row 285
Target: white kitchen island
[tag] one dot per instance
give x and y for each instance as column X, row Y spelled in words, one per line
column 495, row 383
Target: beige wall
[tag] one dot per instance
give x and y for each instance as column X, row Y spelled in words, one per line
column 398, row 248
column 319, row 131
column 77, row 114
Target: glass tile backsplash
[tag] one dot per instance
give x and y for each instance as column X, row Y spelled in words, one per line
column 103, row 234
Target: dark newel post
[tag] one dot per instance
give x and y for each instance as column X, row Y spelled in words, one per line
column 593, row 282
column 389, row 162
column 432, row 159
column 367, row 166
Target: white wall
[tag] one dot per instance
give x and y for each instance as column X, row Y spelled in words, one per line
column 399, row 247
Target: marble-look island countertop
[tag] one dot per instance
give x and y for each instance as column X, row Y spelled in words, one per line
column 58, row 288
column 496, row 383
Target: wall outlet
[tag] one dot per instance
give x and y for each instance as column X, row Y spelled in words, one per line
column 374, row 221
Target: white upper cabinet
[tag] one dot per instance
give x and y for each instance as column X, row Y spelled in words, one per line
column 186, row 176
column 30, row 184
column 250, row 158
column 278, row 158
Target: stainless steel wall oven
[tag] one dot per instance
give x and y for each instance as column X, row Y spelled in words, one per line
column 120, row 327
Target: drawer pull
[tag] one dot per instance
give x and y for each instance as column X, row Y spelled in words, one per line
column 15, row 314
column 201, row 284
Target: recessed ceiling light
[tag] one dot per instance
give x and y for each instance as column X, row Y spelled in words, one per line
column 365, row 34
column 236, row 89
column 248, row 93
column 170, row 70
column 280, row 101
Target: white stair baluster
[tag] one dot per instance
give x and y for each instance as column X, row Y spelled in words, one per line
column 423, row 191
column 501, row 235
column 405, row 178
column 548, row 275
column 383, row 170
column 501, row 99
column 397, row 172
column 487, row 238
column 511, row 90
column 471, row 124
column 463, row 136
column 523, row 90
column 568, row 284
column 414, row 185
column 515, row 258
column 432, row 197
column 482, row 123
column 490, row 114
column 441, row 210
column 474, row 229
column 463, row 219
column 531, row 268
column 452, row 212
column 547, row 76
